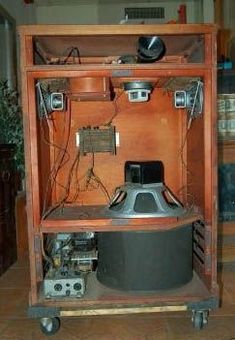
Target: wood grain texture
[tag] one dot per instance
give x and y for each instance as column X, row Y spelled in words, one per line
column 62, row 30
column 119, row 311
column 100, row 296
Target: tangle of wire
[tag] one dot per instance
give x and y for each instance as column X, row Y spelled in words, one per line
column 60, row 161
column 186, row 168
column 91, row 175
column 72, row 50
column 116, row 109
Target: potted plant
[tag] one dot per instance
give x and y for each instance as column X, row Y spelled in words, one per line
column 11, row 173
column 11, row 124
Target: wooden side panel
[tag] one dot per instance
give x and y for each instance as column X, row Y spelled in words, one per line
column 195, row 164
column 28, row 170
column 46, row 159
column 21, row 225
column 214, row 162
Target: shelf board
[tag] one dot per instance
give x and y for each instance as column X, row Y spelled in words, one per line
column 98, row 295
column 226, row 142
column 164, row 68
column 90, row 30
column 96, row 218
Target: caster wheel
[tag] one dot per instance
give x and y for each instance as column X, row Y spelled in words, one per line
column 49, row 326
column 199, row 319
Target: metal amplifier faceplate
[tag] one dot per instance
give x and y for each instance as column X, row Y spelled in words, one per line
column 56, row 285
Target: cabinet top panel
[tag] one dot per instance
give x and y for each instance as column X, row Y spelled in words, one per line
column 178, row 29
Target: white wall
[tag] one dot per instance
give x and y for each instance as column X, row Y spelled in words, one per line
column 22, row 13
column 208, row 11
column 113, row 13
column 229, row 14
column 107, row 13
column 82, row 14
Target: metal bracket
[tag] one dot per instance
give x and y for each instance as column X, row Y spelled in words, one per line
column 37, row 243
column 43, row 312
column 209, row 304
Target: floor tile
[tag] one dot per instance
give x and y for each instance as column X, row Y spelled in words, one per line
column 3, row 325
column 13, row 303
column 15, row 278
column 100, row 328
column 117, row 328
column 218, row 328
column 14, row 324
column 30, row 330
column 21, row 263
column 227, row 278
column 230, row 291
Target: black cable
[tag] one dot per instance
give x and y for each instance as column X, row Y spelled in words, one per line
column 72, row 50
column 91, row 174
column 60, row 159
column 116, row 109
column 67, row 192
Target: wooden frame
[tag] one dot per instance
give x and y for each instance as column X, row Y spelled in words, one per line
column 202, row 142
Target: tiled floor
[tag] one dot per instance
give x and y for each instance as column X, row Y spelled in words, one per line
column 14, row 324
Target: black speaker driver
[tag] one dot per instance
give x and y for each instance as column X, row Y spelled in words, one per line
column 150, row 49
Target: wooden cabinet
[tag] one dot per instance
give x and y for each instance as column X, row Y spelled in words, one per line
column 226, row 228
column 226, row 161
column 87, row 71
column 7, row 210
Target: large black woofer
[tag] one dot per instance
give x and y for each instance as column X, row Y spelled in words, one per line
column 145, row 260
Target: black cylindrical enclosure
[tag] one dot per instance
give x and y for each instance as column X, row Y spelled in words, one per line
column 150, row 49
column 145, row 260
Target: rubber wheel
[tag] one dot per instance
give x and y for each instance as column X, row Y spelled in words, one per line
column 198, row 320
column 49, row 326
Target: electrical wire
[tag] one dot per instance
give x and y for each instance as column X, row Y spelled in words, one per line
column 62, row 201
column 46, row 257
column 91, row 175
column 73, row 169
column 64, row 244
column 116, row 109
column 77, row 181
column 100, row 184
column 60, row 148
column 181, row 152
column 60, row 160
column 72, row 50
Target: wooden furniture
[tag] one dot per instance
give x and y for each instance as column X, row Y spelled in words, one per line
column 83, row 60
column 226, row 81
column 226, row 229
column 7, row 203
column 21, row 225
column 226, row 155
